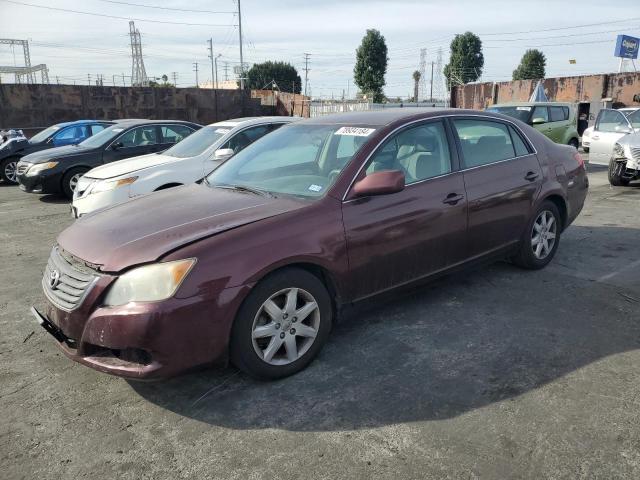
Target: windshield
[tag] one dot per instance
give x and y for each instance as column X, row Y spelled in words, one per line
column 197, row 142
column 300, row 160
column 102, row 137
column 519, row 112
column 634, row 118
column 44, row 134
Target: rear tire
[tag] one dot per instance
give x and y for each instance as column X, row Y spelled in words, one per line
column 8, row 170
column 282, row 325
column 541, row 238
column 616, row 169
column 70, row 180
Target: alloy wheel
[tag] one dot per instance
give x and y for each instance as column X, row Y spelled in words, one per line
column 73, row 182
column 543, row 234
column 10, row 171
column 285, row 326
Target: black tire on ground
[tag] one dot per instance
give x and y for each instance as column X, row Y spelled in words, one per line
column 242, row 352
column 67, row 188
column 585, row 149
column 574, row 143
column 7, row 166
column 526, row 257
column 615, row 173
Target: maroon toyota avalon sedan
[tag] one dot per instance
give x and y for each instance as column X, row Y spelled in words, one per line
column 254, row 263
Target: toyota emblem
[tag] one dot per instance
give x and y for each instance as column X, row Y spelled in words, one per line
column 54, row 279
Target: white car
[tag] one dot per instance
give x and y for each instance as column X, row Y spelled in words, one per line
column 588, row 133
column 611, row 125
column 186, row 162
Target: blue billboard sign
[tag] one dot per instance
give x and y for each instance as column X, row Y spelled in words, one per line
column 627, row 47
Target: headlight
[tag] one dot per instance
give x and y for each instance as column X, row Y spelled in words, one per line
column 618, row 151
column 40, row 167
column 106, row 186
column 149, row 283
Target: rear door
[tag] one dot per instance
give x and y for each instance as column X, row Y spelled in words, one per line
column 394, row 239
column 611, row 125
column 502, row 178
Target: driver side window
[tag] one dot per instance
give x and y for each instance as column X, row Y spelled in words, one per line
column 420, row 152
column 540, row 112
column 611, row 121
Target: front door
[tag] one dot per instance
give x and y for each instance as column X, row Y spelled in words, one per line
column 610, row 126
column 502, row 178
column 417, row 231
column 132, row 143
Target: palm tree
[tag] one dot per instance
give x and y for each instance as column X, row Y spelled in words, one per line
column 416, row 81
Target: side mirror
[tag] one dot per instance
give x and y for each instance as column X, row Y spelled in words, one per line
column 117, row 145
column 380, row 183
column 538, row 121
column 223, row 153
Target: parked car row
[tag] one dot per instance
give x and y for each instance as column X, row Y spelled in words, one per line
column 254, row 262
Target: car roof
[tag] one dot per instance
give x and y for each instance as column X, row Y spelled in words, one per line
column 377, row 117
column 128, row 122
column 81, row 122
column 243, row 121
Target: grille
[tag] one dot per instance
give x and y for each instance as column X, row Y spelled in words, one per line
column 66, row 281
column 635, row 153
column 23, row 167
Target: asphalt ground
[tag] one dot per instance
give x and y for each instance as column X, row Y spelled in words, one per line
column 493, row 373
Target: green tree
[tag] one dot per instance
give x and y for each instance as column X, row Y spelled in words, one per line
column 165, row 82
column 532, row 66
column 467, row 60
column 262, row 75
column 371, row 65
column 416, row 82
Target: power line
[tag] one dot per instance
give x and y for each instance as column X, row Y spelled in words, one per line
column 162, row 8
column 114, row 16
column 563, row 28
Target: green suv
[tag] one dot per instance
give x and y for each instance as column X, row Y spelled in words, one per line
column 553, row 119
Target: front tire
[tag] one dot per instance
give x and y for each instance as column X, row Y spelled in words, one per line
column 9, row 170
column 541, row 238
column 70, row 181
column 616, row 169
column 574, row 143
column 282, row 325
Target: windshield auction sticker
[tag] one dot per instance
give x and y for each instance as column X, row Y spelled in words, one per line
column 355, row 131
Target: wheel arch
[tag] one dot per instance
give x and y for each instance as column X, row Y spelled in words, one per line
column 72, row 167
column 561, row 204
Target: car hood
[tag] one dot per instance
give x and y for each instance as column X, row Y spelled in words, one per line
column 129, row 165
column 632, row 139
column 145, row 229
column 54, row 153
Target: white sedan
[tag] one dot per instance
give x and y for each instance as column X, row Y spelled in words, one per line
column 186, row 162
column 588, row 136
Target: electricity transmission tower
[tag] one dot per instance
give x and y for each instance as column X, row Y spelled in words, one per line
column 27, row 72
column 174, row 75
column 439, row 91
column 422, row 85
column 138, row 73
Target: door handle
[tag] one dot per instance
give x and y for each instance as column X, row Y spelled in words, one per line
column 531, row 176
column 453, row 198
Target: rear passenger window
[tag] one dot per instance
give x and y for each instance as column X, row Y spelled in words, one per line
column 518, row 144
column 484, row 142
column 420, row 152
column 559, row 114
column 96, row 128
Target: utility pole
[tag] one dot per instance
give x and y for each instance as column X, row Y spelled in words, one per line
column 57, row 80
column 214, row 80
column 240, row 38
column 195, row 69
column 89, row 78
column 174, row 75
column 226, row 71
column 306, row 72
column 431, row 92
column 215, row 61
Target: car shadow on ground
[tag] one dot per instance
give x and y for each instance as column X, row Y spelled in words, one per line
column 57, row 199
column 434, row 352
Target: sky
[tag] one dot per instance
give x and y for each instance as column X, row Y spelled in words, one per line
column 175, row 33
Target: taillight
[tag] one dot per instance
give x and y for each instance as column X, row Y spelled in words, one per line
column 579, row 159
